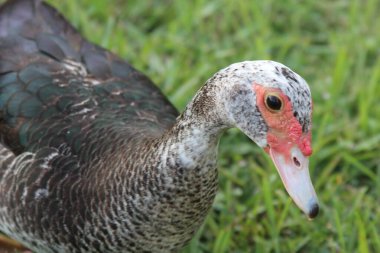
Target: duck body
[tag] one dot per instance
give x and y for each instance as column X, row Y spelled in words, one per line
column 83, row 133
column 93, row 157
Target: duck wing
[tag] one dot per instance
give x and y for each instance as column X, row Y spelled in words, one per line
column 56, row 88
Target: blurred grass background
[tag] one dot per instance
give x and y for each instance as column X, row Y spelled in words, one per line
column 334, row 45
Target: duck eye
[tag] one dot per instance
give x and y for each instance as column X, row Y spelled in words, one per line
column 273, row 102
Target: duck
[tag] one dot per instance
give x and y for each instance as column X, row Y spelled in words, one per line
column 93, row 156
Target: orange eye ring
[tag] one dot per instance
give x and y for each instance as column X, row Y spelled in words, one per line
column 273, row 102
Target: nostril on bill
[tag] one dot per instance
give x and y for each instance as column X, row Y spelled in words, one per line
column 296, row 162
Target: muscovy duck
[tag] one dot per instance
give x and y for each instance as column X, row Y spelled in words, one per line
column 94, row 158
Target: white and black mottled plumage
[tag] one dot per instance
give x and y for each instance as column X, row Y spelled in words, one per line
column 94, row 158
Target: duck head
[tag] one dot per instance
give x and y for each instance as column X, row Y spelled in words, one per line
column 272, row 105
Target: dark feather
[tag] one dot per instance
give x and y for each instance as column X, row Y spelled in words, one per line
column 68, row 111
column 52, row 73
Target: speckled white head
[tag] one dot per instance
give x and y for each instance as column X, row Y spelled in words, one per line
column 272, row 105
column 240, row 100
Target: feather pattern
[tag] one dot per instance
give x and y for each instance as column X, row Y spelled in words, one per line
column 70, row 110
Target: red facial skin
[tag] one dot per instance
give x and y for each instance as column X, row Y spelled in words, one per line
column 284, row 130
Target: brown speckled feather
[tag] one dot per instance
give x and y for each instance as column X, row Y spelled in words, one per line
column 49, row 71
column 68, row 109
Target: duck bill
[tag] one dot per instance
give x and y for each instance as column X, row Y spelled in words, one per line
column 293, row 168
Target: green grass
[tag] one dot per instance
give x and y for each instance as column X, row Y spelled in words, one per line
column 334, row 45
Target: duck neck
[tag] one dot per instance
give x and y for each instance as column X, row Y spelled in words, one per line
column 192, row 143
